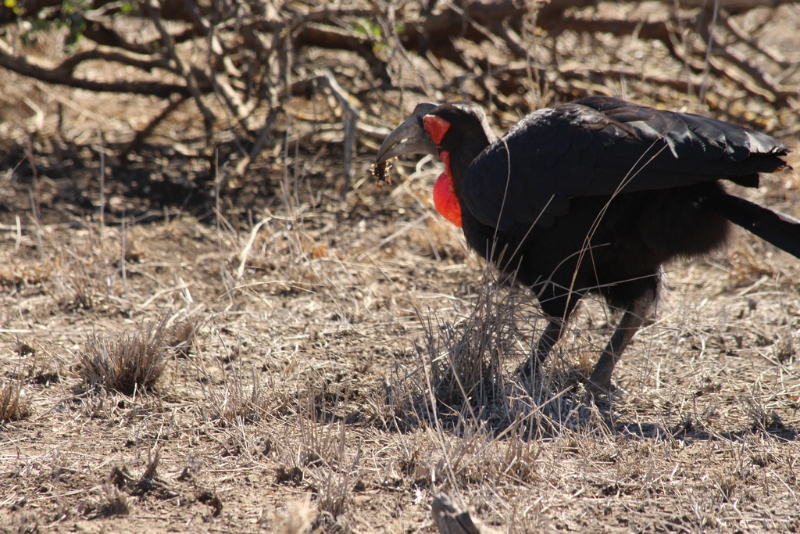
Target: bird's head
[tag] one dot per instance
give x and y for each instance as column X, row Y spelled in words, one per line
column 456, row 131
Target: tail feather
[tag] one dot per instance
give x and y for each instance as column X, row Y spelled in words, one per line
column 779, row 229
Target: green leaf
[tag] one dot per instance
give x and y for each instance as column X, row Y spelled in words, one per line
column 368, row 27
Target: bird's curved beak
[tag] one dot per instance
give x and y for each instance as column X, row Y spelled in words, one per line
column 408, row 138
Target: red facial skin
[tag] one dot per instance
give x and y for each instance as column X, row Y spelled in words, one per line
column 436, row 127
column 444, row 194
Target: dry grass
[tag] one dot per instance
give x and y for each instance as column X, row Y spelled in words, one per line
column 127, row 364
column 367, row 380
column 13, row 405
column 332, row 377
column 235, row 401
column 108, row 501
column 466, row 378
column 335, row 364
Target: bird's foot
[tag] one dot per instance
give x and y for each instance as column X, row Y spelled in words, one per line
column 598, row 388
column 600, row 379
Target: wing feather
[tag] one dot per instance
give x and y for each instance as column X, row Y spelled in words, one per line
column 602, row 145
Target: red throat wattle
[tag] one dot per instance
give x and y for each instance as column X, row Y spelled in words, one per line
column 444, row 194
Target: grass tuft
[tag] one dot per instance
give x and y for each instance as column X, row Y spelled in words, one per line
column 466, row 372
column 13, row 405
column 112, row 502
column 233, row 402
column 127, row 364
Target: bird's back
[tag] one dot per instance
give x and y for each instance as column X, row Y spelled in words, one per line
column 602, row 146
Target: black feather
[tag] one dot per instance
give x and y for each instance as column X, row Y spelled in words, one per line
column 602, row 146
column 777, row 228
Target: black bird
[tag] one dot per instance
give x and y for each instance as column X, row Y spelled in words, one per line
column 594, row 195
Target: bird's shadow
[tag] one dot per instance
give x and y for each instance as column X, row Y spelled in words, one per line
column 687, row 432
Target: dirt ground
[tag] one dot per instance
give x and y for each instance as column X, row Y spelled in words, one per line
column 303, row 335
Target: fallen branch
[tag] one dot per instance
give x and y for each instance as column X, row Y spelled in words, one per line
column 254, row 62
column 220, row 81
column 751, row 43
column 323, row 36
column 69, row 65
column 619, row 72
column 655, row 30
column 103, row 35
column 719, row 69
column 764, row 84
column 21, row 65
column 552, row 11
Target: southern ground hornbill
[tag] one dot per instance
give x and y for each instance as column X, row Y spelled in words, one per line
column 594, row 195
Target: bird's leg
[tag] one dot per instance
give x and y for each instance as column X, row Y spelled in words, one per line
column 552, row 333
column 628, row 326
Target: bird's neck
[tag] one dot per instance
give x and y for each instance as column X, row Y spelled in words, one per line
column 458, row 159
column 447, row 191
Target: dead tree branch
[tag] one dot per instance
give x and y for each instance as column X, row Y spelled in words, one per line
column 69, row 65
column 21, row 65
column 351, row 111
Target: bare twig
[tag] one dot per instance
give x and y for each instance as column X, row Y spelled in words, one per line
column 102, row 183
column 36, row 222
column 587, row 71
column 351, row 111
column 709, row 35
column 264, row 136
column 751, row 43
column 154, row 8
column 762, row 80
